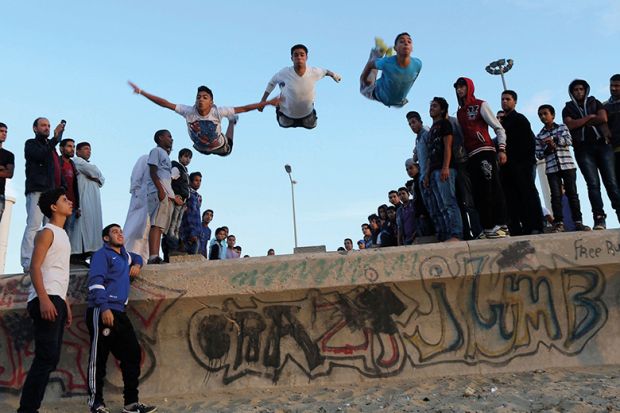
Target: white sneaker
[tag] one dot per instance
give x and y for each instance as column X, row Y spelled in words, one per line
column 496, row 232
column 381, row 46
column 139, row 408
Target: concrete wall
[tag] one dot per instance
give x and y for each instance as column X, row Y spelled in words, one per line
column 426, row 310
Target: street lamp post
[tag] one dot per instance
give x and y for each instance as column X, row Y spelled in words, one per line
column 499, row 67
column 288, row 170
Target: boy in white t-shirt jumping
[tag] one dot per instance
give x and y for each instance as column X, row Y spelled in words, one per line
column 204, row 119
column 297, row 92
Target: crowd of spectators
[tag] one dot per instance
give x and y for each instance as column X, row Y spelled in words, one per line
column 463, row 184
column 165, row 211
column 466, row 185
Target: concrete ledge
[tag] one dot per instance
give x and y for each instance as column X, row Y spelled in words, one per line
column 425, row 310
column 309, row 249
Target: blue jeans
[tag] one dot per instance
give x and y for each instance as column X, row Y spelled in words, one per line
column 445, row 193
column 593, row 159
column 430, row 202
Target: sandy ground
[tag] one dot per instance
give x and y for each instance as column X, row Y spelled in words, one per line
column 557, row 390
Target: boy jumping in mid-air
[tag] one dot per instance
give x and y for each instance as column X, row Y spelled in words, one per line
column 204, row 119
column 397, row 72
column 296, row 84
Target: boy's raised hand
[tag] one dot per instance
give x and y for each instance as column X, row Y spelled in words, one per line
column 135, row 87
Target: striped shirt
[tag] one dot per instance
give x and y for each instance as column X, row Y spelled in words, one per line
column 559, row 159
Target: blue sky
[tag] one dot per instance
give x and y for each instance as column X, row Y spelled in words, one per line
column 71, row 60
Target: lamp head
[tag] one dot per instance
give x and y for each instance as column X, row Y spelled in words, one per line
column 287, row 168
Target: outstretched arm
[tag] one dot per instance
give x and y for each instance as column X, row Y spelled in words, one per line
column 264, row 99
column 337, row 78
column 155, row 99
column 270, row 87
column 260, row 105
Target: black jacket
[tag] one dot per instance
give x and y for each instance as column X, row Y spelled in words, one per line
column 572, row 109
column 520, row 140
column 180, row 186
column 38, row 153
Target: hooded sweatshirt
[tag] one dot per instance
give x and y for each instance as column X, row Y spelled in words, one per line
column 475, row 116
column 574, row 110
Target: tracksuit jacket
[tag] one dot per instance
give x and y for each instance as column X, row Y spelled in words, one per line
column 108, row 278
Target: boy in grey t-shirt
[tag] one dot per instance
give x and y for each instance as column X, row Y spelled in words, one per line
column 160, row 195
column 204, row 119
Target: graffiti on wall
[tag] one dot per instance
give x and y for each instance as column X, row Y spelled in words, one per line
column 379, row 329
column 17, row 341
column 467, row 309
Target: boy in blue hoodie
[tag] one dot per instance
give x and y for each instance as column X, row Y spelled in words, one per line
column 108, row 325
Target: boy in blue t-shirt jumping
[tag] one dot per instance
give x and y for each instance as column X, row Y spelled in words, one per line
column 398, row 72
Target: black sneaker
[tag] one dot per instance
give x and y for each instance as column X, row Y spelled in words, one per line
column 599, row 223
column 139, row 408
column 156, row 260
column 100, row 409
column 580, row 227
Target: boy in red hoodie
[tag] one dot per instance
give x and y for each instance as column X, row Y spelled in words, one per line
column 475, row 116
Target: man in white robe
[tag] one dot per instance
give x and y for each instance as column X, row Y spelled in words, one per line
column 86, row 236
column 137, row 224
